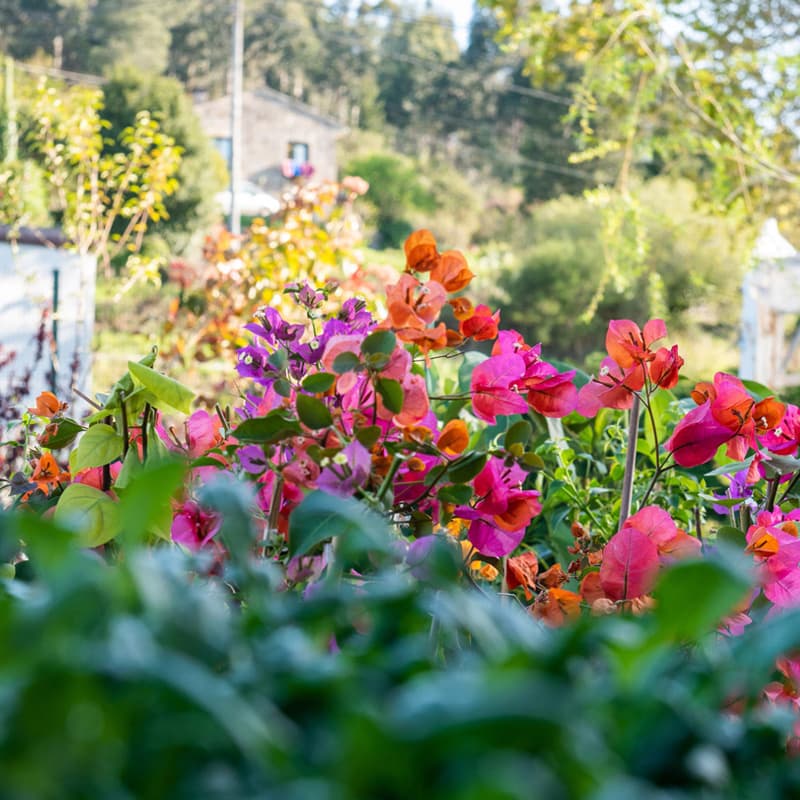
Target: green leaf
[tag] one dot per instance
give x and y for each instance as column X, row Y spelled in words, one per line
column 322, row 516
column 282, row 387
column 166, row 390
column 100, row 445
column 383, row 342
column 368, row 436
column 274, row 427
column 758, row 390
column 91, row 513
column 519, row 433
column 777, row 465
column 145, row 503
column 467, row 467
column 532, row 461
column 458, row 495
column 131, row 467
column 345, row 362
column 391, row 393
column 731, row 467
column 732, row 536
column 124, row 386
column 313, row 412
column 278, row 360
column 68, row 429
column 693, row 596
column 318, row 382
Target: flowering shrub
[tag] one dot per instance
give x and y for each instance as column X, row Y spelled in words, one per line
column 488, row 462
column 316, row 232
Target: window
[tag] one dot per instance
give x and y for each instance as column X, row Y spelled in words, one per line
column 224, row 147
column 298, row 152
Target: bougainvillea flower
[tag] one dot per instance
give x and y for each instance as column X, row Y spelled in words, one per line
column 481, row 325
column 665, row 366
column 510, row 342
column 462, row 307
column 612, row 388
column 591, row 588
column 47, row 405
column 454, row 438
column 416, row 403
column 489, row 540
column 491, row 387
column 550, row 392
column 193, row 526
column 555, row 606
column 412, row 304
column 521, row 571
column 504, row 510
column 697, row 437
column 426, row 339
column 93, row 476
column 630, row 565
column 480, row 568
column 660, row 528
column 252, row 458
column 47, row 474
column 785, row 437
column 451, row 271
column 728, row 415
column 421, row 252
column 349, row 470
column 409, row 484
column 774, row 543
column 336, row 345
column 628, row 345
column 734, row 408
column 203, row 432
column 273, row 328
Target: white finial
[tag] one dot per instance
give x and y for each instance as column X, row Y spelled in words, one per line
column 770, row 244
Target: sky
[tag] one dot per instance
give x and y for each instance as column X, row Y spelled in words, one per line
column 460, row 11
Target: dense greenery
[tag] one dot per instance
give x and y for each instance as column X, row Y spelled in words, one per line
column 202, row 172
column 692, row 260
column 148, row 679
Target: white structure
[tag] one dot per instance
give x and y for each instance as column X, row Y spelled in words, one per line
column 36, row 274
column 770, row 293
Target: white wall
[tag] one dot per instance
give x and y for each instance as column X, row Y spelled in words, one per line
column 26, row 285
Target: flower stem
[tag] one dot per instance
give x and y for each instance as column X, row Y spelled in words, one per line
column 772, row 493
column 630, row 463
column 387, row 481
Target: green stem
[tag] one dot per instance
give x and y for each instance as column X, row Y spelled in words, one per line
column 274, row 511
column 630, row 462
column 387, row 481
column 125, row 433
column 772, row 493
column 145, row 423
column 792, row 484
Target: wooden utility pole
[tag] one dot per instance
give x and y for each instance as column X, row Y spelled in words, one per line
column 237, row 80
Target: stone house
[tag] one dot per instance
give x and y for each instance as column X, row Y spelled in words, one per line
column 282, row 138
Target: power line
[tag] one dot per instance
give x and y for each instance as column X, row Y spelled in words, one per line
column 52, row 72
column 539, row 94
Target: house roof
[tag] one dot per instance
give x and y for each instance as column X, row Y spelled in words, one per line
column 45, row 237
column 273, row 97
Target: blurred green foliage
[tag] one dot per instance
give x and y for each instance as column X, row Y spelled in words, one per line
column 136, row 674
column 686, row 259
column 202, row 172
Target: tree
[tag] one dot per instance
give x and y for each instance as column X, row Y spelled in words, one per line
column 682, row 84
column 106, row 190
column 201, row 174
